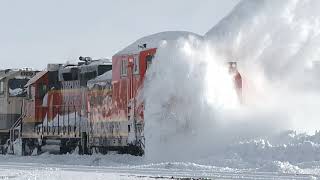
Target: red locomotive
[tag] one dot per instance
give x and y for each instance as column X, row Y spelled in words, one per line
column 92, row 105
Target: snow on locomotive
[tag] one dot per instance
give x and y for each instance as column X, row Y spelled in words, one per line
column 90, row 106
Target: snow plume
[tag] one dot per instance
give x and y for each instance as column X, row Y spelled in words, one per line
column 191, row 108
column 277, row 45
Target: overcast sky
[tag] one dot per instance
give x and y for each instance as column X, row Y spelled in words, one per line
column 34, row 33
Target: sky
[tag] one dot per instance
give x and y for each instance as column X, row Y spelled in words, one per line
column 34, row 33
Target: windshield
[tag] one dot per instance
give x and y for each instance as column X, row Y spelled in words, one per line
column 16, row 87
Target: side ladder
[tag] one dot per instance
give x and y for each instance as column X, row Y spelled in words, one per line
column 16, row 127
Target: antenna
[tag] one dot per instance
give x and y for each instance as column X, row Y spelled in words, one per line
column 143, row 46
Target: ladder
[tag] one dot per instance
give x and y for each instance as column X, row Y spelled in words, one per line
column 16, row 125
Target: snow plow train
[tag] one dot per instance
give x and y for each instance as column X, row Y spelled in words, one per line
column 91, row 106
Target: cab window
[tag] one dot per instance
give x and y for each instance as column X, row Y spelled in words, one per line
column 104, row 68
column 1, row 87
column 135, row 65
column 123, row 68
column 149, row 60
column 42, row 90
column 16, row 87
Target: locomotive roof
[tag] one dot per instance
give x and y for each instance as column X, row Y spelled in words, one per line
column 35, row 78
column 86, row 67
column 154, row 40
column 94, row 64
column 16, row 73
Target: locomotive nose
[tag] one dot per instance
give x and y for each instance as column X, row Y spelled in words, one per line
column 237, row 78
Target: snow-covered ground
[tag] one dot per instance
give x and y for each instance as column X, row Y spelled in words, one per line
column 52, row 167
column 286, row 156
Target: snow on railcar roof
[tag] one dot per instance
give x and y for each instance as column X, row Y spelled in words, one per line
column 94, row 64
column 104, row 61
column 106, row 76
column 154, row 40
column 100, row 80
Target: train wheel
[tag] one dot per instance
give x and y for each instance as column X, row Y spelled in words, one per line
column 83, row 147
column 28, row 146
column 63, row 147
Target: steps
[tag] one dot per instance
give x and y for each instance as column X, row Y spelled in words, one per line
column 15, row 133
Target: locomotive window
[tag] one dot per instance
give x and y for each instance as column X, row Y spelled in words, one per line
column 124, row 66
column 135, row 65
column 16, row 87
column 1, row 87
column 67, row 76
column 103, row 68
column 149, row 60
column 90, row 75
column 71, row 76
column 30, row 93
column 85, row 77
column 42, row 90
